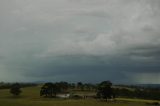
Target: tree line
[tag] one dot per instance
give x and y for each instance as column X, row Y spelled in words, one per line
column 9, row 85
column 104, row 90
column 145, row 93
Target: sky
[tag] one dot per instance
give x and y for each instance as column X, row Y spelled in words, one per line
column 80, row 40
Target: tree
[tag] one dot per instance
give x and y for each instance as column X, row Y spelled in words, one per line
column 56, row 88
column 15, row 89
column 80, row 86
column 47, row 90
column 72, row 85
column 50, row 90
column 63, row 86
column 105, row 91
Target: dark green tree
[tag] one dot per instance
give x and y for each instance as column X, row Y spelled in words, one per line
column 15, row 89
column 105, row 91
column 63, row 86
column 50, row 89
column 47, row 90
column 56, row 89
column 80, row 86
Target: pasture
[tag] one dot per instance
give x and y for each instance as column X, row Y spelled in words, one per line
column 30, row 97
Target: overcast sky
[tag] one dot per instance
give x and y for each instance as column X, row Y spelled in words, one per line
column 80, row 40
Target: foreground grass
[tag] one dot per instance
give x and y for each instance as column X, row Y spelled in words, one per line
column 53, row 102
column 137, row 100
column 30, row 97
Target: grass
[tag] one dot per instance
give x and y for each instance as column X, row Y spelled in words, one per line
column 30, row 97
column 64, row 103
column 137, row 100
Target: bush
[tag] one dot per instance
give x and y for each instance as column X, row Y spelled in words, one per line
column 15, row 89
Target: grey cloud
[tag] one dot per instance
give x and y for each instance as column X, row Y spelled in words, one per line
column 71, row 39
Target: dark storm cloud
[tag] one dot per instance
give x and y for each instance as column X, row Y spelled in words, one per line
column 80, row 40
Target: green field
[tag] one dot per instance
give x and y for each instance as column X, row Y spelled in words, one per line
column 30, row 97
